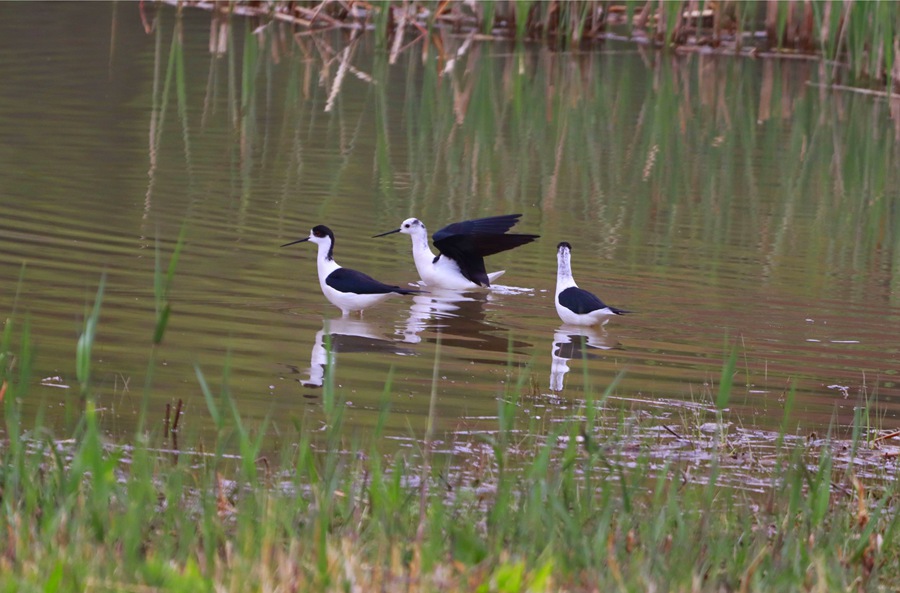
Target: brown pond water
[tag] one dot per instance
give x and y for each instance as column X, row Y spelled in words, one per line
column 723, row 201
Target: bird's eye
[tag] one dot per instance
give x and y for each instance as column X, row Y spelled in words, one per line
column 406, row 226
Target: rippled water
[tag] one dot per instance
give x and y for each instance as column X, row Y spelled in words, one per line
column 723, row 201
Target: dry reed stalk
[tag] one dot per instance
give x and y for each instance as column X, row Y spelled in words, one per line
column 706, row 82
column 463, row 49
column 889, row 435
column 787, row 99
column 780, row 55
column 338, row 79
column 772, row 21
column 461, row 98
column 641, row 21
column 325, row 48
column 853, row 89
column 148, row 24
column 553, row 186
column 716, row 8
column 178, row 407
column 292, row 19
column 723, row 104
column 807, row 37
column 555, row 19
column 789, row 34
column 842, row 35
column 398, row 32
column 422, row 35
column 692, row 15
column 315, row 13
column 895, row 69
column 598, row 19
column 166, row 420
column 661, row 23
column 682, row 78
column 826, row 20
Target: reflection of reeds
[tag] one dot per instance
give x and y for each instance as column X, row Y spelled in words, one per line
column 162, row 90
column 658, row 143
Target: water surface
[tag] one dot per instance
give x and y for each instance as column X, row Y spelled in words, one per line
column 723, row 201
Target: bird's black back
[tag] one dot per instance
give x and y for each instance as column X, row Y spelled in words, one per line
column 581, row 302
column 352, row 281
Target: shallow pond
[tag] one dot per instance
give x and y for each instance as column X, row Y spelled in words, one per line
column 725, row 202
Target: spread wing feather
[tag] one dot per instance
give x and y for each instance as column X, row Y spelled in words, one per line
column 470, row 241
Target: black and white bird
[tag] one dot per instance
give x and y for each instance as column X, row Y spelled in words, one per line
column 575, row 305
column 347, row 289
column 463, row 247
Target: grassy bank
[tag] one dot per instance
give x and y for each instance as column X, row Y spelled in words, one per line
column 859, row 37
column 598, row 501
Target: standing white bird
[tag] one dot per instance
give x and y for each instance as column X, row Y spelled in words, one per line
column 347, row 289
column 576, row 305
column 463, row 247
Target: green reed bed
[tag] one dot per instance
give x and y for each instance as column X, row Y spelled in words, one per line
column 859, row 36
column 594, row 499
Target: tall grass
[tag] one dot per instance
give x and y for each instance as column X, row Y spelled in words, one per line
column 586, row 507
column 862, row 35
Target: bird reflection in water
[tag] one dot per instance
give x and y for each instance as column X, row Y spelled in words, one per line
column 575, row 342
column 346, row 335
column 461, row 320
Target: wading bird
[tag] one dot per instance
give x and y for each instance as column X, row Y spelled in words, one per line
column 576, row 305
column 347, row 289
column 463, row 247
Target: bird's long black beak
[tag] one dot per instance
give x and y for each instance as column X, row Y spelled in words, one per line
column 387, row 233
column 297, row 241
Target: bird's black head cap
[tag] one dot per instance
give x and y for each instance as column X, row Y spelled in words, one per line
column 565, row 245
column 322, row 231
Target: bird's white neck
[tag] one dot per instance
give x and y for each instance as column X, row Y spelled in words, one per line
column 422, row 254
column 564, row 277
column 325, row 261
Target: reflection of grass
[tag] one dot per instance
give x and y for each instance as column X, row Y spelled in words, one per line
column 645, row 147
column 590, row 499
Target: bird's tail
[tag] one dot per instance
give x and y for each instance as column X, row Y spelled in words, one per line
column 494, row 275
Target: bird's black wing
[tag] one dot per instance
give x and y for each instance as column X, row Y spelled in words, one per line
column 492, row 225
column 487, row 245
column 470, row 241
column 351, row 281
column 463, row 252
column 582, row 302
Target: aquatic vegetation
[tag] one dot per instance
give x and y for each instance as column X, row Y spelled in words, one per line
column 600, row 498
column 860, row 36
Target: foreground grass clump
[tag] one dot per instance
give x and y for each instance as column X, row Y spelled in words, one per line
column 567, row 511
